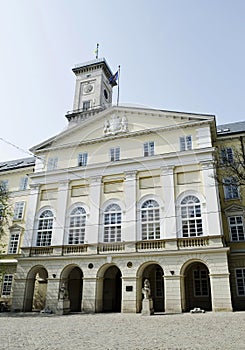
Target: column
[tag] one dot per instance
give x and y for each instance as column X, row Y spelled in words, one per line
column 89, row 294
column 211, row 216
column 94, row 218
column 29, row 235
column 220, row 289
column 129, row 292
column 167, row 180
column 172, row 293
column 129, row 230
column 61, row 214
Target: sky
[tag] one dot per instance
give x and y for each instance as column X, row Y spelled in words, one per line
column 178, row 55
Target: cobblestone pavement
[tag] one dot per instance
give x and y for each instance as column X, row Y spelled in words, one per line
column 123, row 331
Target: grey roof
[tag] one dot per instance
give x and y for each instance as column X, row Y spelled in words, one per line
column 17, row 163
column 231, row 128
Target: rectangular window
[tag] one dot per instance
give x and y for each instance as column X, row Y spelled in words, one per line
column 236, row 226
column 231, row 188
column 52, row 163
column 4, row 184
column 240, row 281
column 86, row 105
column 159, row 283
column 23, row 183
column 115, row 154
column 200, row 283
column 227, row 155
column 18, row 210
column 185, row 142
column 7, row 285
column 82, row 159
column 149, row 149
column 14, row 242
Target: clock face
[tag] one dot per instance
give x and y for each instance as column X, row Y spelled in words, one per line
column 106, row 95
column 88, row 88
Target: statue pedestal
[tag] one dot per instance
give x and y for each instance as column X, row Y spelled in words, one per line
column 147, row 307
column 63, row 307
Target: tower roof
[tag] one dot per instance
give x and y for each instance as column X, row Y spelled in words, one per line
column 92, row 65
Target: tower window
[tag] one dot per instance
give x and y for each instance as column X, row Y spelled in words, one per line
column 86, row 105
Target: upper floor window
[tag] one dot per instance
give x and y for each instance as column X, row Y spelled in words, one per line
column 18, row 210
column 52, row 163
column 77, row 226
column 185, row 142
column 226, row 155
column 4, row 184
column 149, row 148
column 150, row 220
column 240, row 281
column 86, row 105
column 45, row 228
column 82, row 159
column 115, row 154
column 236, row 227
column 191, row 217
column 231, row 188
column 112, row 223
column 7, row 284
column 14, row 241
column 23, row 183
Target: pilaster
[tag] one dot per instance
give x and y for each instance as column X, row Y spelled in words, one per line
column 167, row 180
column 61, row 214
column 29, row 238
column 94, row 218
column 130, row 201
column 172, row 293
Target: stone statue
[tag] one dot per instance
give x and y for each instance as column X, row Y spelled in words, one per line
column 63, row 292
column 146, row 290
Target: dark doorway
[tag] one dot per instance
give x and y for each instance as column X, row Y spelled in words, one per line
column 112, row 290
column 154, row 273
column 75, row 288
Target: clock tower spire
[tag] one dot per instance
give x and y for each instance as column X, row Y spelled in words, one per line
column 93, row 92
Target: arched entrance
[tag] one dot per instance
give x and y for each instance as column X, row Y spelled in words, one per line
column 75, row 289
column 36, row 289
column 197, row 287
column 112, row 290
column 154, row 273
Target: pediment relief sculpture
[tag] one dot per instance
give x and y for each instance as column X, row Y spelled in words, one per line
column 115, row 125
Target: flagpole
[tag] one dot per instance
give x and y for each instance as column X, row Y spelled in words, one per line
column 118, row 85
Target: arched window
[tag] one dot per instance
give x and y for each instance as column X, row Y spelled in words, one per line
column 150, row 220
column 45, row 228
column 77, row 226
column 191, row 217
column 112, row 223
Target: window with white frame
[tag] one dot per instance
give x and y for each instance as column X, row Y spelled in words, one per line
column 236, row 226
column 82, row 159
column 52, row 163
column 77, row 225
column 45, row 228
column 19, row 210
column 240, row 281
column 231, row 188
column 7, row 284
column 185, row 143
column 149, row 148
column 191, row 217
column 23, row 183
column 150, row 220
column 112, row 223
column 201, row 288
column 14, row 241
column 226, row 155
column 115, row 154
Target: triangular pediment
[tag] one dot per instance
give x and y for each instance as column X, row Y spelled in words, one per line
column 120, row 122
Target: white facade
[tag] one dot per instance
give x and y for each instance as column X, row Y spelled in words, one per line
column 122, row 195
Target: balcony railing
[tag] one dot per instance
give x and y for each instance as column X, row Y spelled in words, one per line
column 126, row 247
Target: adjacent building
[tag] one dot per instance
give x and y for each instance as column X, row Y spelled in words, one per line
column 124, row 194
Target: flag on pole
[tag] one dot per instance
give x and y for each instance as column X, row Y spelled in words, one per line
column 96, row 51
column 113, row 79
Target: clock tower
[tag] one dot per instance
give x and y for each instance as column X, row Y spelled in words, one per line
column 93, row 92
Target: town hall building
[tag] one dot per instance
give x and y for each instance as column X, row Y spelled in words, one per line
column 122, row 195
